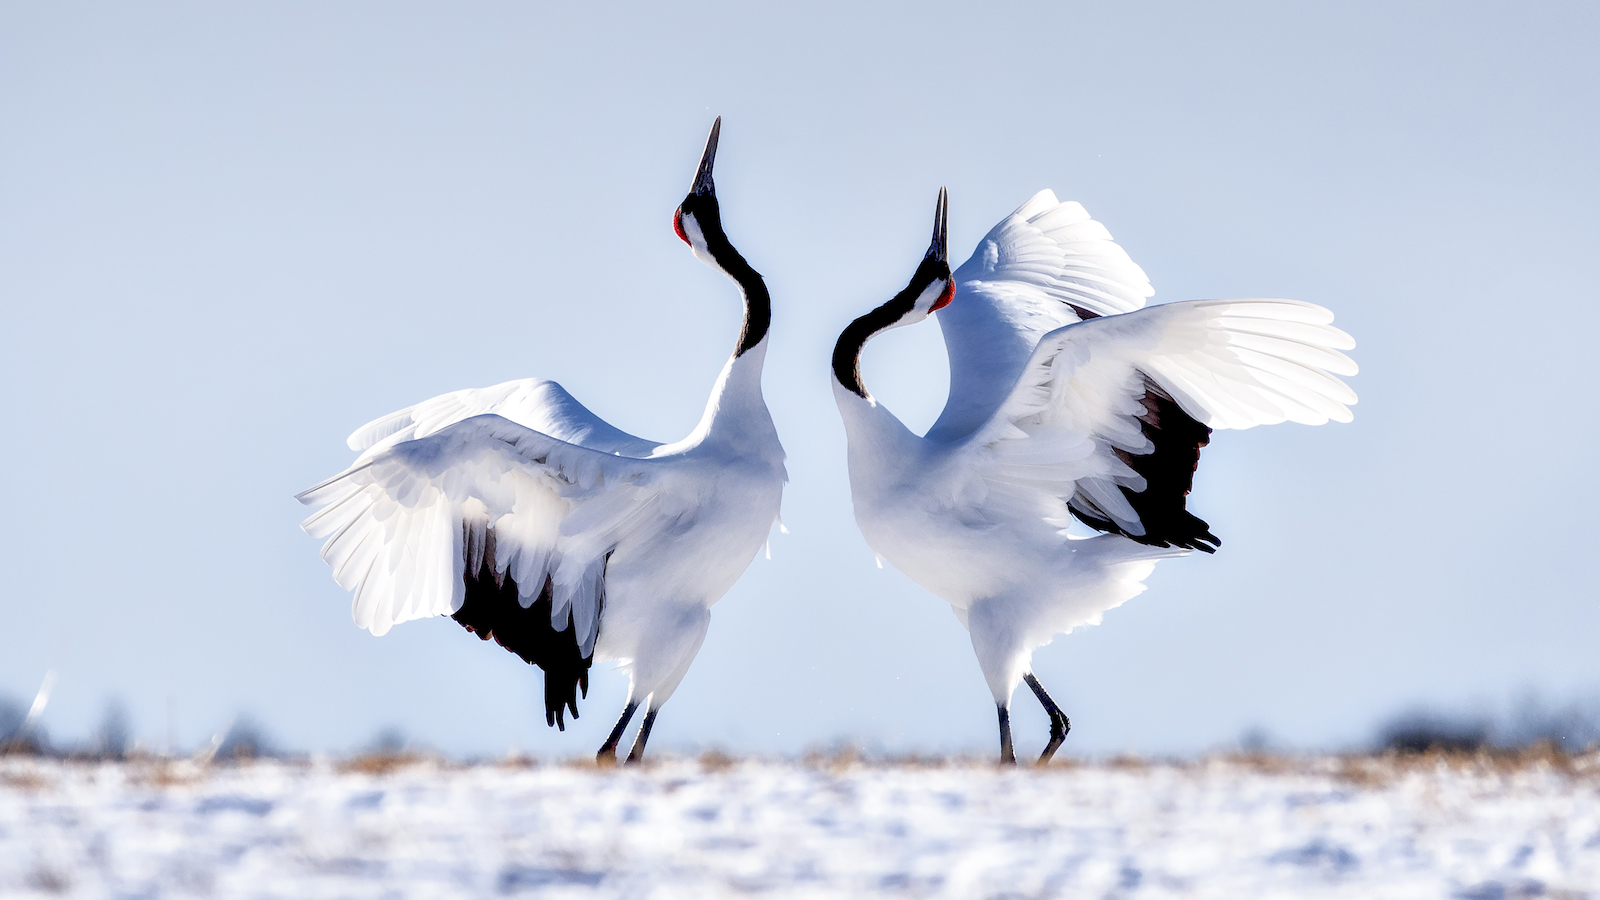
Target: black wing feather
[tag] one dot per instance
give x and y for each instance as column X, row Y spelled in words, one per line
column 1168, row 472
column 491, row 610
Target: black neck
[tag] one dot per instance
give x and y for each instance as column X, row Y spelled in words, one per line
column 847, row 352
column 757, row 302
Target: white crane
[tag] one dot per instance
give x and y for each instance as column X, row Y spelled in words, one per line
column 1067, row 400
column 528, row 519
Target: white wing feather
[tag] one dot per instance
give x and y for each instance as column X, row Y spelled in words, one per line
column 402, row 522
column 535, row 403
column 1227, row 363
column 1030, row 275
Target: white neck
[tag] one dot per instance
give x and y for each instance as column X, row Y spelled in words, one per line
column 736, row 413
column 877, row 440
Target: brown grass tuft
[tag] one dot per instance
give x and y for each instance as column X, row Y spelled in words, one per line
column 163, row 773
column 1365, row 772
column 1374, row 771
column 837, row 760
column 917, row 761
column 1126, row 761
column 22, row 781
column 1263, row 763
column 381, row 763
column 716, row 761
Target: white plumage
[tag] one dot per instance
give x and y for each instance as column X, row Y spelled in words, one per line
column 457, row 500
column 1067, row 400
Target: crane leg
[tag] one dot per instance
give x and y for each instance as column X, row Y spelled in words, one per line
column 608, row 750
column 1059, row 724
column 636, row 755
column 1008, row 757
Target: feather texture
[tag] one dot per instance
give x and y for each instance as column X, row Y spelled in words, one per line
column 1046, row 265
column 533, row 403
column 408, row 522
column 1135, row 396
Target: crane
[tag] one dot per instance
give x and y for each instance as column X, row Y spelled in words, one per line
column 531, row 521
column 1069, row 400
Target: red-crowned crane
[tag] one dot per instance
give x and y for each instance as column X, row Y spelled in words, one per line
column 1067, row 400
column 526, row 518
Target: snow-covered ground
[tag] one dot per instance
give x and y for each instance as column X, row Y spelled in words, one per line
column 1226, row 828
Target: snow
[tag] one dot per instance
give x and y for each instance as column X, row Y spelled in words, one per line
column 1475, row 828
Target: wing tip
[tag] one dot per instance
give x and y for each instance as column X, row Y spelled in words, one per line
column 1038, row 203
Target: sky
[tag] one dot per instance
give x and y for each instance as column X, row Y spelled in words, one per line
column 231, row 234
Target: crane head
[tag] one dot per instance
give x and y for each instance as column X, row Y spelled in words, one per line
column 698, row 223
column 932, row 287
column 698, row 219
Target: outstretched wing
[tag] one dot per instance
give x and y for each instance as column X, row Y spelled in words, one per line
column 535, row 403
column 1044, row 266
column 1109, row 415
column 478, row 514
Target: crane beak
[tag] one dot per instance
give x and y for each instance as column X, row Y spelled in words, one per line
column 938, row 252
column 939, row 249
column 702, row 178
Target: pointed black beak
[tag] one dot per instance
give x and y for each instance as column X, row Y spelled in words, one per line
column 702, row 178
column 938, row 250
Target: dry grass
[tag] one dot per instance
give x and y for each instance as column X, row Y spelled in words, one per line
column 164, row 773
column 840, row 759
column 1126, row 762
column 22, row 780
column 382, row 762
column 1382, row 769
column 716, row 761
column 1364, row 769
column 1263, row 763
column 1366, row 772
column 591, row 763
column 1374, row 770
column 920, row 761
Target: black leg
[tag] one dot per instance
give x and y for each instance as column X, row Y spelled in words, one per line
column 1008, row 757
column 1059, row 725
column 608, row 750
column 637, row 753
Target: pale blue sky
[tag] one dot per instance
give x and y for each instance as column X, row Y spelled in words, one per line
column 231, row 234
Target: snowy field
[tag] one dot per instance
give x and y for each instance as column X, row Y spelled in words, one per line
column 1463, row 827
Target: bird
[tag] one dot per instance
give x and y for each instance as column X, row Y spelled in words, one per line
column 1069, row 400
column 531, row 521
